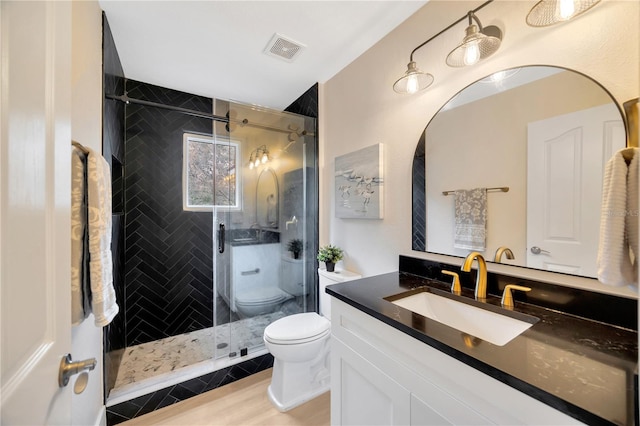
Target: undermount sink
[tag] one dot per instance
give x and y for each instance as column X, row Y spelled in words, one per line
column 493, row 327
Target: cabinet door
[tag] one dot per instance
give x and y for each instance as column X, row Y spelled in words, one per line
column 422, row 414
column 363, row 394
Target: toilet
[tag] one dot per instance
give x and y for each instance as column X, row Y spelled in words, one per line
column 300, row 347
column 266, row 291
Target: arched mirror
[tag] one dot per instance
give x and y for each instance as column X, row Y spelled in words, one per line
column 541, row 136
column 267, row 199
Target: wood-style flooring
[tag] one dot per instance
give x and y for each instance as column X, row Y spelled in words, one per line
column 243, row 402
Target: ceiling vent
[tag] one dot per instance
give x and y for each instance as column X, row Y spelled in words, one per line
column 284, row 48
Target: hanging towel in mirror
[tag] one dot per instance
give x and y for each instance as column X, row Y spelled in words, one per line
column 631, row 218
column 103, row 297
column 618, row 245
column 471, row 219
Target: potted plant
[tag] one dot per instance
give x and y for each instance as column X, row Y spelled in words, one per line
column 295, row 247
column 330, row 255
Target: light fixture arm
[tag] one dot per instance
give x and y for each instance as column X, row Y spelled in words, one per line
column 475, row 18
column 469, row 15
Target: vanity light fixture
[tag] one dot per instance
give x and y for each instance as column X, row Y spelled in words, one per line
column 415, row 80
column 479, row 43
column 550, row 12
column 258, row 156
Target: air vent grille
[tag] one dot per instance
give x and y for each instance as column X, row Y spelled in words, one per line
column 283, row 48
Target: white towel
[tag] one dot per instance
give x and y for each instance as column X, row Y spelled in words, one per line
column 471, row 219
column 103, row 297
column 631, row 222
column 79, row 299
column 615, row 265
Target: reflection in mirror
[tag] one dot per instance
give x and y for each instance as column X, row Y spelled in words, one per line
column 546, row 134
column 267, row 198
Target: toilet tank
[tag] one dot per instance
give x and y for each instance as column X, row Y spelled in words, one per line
column 328, row 278
column 292, row 277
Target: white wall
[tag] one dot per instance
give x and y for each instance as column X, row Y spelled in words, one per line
column 472, row 148
column 86, row 128
column 358, row 108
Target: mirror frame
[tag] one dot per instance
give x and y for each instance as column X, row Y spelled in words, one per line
column 418, row 171
column 261, row 176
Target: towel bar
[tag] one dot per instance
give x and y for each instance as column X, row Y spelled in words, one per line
column 500, row 188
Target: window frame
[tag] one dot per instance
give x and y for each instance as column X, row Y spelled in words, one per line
column 191, row 137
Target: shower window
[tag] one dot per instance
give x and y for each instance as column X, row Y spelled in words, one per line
column 210, row 177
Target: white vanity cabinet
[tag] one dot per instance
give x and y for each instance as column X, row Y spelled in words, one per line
column 382, row 376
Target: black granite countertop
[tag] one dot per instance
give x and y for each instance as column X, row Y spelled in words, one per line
column 251, row 237
column 584, row 368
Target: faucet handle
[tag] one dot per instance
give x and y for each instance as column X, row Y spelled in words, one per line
column 455, row 286
column 507, row 297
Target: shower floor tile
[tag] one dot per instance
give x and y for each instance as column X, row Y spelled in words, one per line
column 147, row 360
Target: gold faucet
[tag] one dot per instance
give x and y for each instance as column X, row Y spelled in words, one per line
column 503, row 250
column 455, row 285
column 481, row 277
column 507, row 297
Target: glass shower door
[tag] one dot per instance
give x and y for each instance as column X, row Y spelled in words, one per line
column 227, row 199
column 265, row 244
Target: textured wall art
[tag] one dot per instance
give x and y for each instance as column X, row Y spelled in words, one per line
column 359, row 184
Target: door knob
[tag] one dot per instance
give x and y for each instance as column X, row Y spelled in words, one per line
column 538, row 250
column 68, row 368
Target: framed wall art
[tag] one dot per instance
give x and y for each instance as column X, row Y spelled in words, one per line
column 359, row 184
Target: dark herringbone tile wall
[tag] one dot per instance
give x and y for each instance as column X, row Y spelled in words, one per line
column 419, row 201
column 306, row 104
column 169, row 288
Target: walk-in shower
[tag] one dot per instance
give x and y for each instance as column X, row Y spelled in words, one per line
column 214, row 194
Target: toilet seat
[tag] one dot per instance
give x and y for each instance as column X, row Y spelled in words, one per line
column 297, row 329
column 261, row 296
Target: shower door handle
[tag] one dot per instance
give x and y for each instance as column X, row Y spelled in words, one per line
column 221, row 239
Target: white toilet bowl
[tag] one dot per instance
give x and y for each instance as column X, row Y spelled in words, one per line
column 300, row 346
column 259, row 301
column 273, row 282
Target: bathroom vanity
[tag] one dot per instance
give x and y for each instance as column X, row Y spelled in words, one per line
column 393, row 366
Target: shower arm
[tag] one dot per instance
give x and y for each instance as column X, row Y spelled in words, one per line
column 244, row 122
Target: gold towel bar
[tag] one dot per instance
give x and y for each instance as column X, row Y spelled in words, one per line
column 500, row 188
column 80, row 147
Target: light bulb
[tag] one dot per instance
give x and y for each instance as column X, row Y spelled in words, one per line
column 412, row 84
column 257, row 163
column 265, row 158
column 471, row 53
column 566, row 9
column 250, row 165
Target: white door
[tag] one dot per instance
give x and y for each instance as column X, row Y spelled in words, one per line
column 34, row 211
column 566, row 158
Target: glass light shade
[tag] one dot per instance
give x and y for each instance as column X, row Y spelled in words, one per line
column 265, row 158
column 413, row 80
column 471, row 53
column 250, row 165
column 475, row 46
column 550, row 12
column 257, row 162
column 566, row 9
